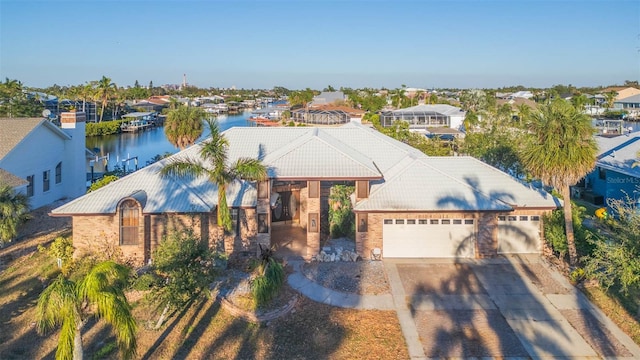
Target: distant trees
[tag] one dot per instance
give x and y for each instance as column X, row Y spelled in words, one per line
column 560, row 150
column 105, row 90
column 398, row 97
column 14, row 102
column 183, row 126
column 301, row 98
column 365, row 99
column 14, row 209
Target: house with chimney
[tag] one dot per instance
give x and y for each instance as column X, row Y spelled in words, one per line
column 42, row 160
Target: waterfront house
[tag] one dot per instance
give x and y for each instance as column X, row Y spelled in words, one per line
column 50, row 159
column 615, row 176
column 424, row 117
column 327, row 98
column 327, row 115
column 406, row 204
column 630, row 104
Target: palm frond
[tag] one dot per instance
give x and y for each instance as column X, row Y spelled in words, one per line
column 249, row 169
column 184, row 168
column 59, row 304
column 215, row 148
column 103, row 287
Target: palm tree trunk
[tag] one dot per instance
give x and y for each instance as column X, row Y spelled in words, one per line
column 78, row 352
column 102, row 111
column 568, row 221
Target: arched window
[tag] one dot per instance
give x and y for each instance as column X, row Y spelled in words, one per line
column 129, row 222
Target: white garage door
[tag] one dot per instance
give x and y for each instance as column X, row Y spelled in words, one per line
column 518, row 234
column 417, row 238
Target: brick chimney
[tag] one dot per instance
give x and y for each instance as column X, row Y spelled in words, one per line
column 73, row 124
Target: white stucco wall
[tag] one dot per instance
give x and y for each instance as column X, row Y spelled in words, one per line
column 40, row 151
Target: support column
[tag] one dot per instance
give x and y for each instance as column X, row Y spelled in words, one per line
column 313, row 219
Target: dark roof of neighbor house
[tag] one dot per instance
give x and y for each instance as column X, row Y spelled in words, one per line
column 10, row 179
column 15, row 130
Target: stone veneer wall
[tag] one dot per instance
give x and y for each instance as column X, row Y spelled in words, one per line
column 304, row 213
column 101, row 232
column 313, row 238
column 487, row 235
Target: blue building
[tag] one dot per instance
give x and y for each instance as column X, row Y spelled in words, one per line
column 615, row 176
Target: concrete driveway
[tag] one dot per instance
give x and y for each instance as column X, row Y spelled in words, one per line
column 506, row 307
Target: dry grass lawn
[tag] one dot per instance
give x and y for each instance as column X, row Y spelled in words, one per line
column 203, row 331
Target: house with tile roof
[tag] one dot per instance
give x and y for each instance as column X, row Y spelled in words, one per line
column 44, row 161
column 406, row 204
column 615, row 176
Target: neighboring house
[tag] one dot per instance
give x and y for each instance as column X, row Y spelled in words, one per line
column 50, row 159
column 614, row 176
column 516, row 102
column 522, row 94
column 623, row 92
column 423, row 117
column 327, row 115
column 18, row 184
column 406, row 203
column 327, row 98
column 630, row 104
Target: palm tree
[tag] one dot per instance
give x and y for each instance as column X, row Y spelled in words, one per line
column 398, row 97
column 214, row 165
column 14, row 208
column 183, row 126
column 561, row 151
column 524, row 111
column 105, row 90
column 610, row 98
column 68, row 304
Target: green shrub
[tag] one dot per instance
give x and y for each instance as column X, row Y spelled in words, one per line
column 555, row 235
column 577, row 275
column 341, row 216
column 103, row 128
column 102, row 182
column 266, row 285
column 145, row 282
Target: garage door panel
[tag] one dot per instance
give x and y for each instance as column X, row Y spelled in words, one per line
column 519, row 235
column 428, row 240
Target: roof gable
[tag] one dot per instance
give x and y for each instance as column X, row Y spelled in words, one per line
column 319, row 155
column 418, row 186
column 16, row 130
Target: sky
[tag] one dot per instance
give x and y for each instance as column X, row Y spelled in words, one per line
column 312, row 43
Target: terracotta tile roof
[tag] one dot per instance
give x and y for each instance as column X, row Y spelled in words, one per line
column 10, row 179
column 13, row 131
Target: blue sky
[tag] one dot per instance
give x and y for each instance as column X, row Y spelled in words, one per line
column 299, row 44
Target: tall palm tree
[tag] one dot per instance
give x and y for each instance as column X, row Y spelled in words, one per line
column 610, row 98
column 14, row 208
column 523, row 111
column 560, row 151
column 105, row 90
column 398, row 97
column 68, row 304
column 183, row 126
column 213, row 164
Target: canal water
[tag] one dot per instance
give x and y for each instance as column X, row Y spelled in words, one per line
column 127, row 148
